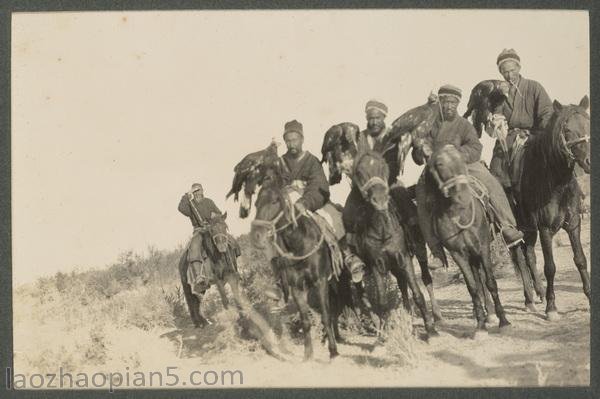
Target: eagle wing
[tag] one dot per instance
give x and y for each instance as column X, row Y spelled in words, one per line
column 249, row 164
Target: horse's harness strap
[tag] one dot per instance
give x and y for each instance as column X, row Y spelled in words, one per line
column 373, row 181
column 271, row 225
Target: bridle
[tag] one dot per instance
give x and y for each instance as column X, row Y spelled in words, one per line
column 272, row 230
column 568, row 144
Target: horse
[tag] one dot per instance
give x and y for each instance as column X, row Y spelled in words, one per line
column 549, row 197
column 340, row 151
column 460, row 222
column 383, row 242
column 419, row 141
column 222, row 252
column 305, row 256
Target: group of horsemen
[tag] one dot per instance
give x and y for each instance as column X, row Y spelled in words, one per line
column 526, row 110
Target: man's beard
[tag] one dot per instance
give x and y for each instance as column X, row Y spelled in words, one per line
column 375, row 131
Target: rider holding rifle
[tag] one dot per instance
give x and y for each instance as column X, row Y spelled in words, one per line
column 199, row 209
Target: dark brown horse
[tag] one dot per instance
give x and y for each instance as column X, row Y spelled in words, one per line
column 383, row 242
column 416, row 135
column 461, row 224
column 550, row 197
column 222, row 251
column 340, row 151
column 299, row 242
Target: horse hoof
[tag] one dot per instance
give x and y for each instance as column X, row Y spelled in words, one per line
column 333, row 356
column 440, row 322
column 531, row 307
column 432, row 333
column 505, row 327
column 480, row 334
column 552, row 315
column 492, row 319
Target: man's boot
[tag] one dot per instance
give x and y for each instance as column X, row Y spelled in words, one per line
column 354, row 264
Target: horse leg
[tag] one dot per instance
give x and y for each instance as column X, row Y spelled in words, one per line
column 549, row 271
column 192, row 301
column 472, row 282
column 381, row 297
column 530, row 258
column 300, row 297
column 486, row 299
column 222, row 293
column 487, row 271
column 403, row 285
column 326, row 316
column 362, row 295
column 428, row 282
column 405, row 263
column 516, row 254
column 580, row 259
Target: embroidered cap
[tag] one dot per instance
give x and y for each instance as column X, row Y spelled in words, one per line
column 374, row 105
column 196, row 187
column 508, row 55
column 293, row 126
column 450, row 91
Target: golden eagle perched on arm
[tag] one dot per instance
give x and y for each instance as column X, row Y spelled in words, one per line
column 248, row 173
column 411, row 127
column 486, row 98
column 338, row 139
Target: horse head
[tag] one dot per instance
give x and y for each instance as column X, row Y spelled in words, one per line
column 371, row 176
column 218, row 231
column 271, row 205
column 574, row 125
column 338, row 150
column 448, row 171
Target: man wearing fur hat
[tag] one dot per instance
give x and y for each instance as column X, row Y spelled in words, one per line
column 304, row 174
column 455, row 130
column 527, row 109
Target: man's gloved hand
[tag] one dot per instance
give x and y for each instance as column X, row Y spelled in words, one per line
column 190, row 195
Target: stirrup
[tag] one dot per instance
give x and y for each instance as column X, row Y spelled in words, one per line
column 514, row 243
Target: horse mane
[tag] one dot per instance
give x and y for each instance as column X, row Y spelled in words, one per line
column 546, row 164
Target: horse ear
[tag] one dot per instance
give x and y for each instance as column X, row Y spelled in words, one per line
column 585, row 102
column 557, row 106
column 225, row 215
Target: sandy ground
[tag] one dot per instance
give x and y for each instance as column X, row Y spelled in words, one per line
column 532, row 352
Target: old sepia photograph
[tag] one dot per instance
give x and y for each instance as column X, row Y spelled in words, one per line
column 334, row 198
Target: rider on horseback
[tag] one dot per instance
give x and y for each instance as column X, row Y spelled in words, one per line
column 199, row 209
column 457, row 131
column 526, row 110
column 306, row 176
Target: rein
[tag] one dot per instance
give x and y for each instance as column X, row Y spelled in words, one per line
column 271, row 226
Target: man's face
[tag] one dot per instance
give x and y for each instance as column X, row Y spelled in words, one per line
column 375, row 122
column 449, row 105
column 294, row 141
column 510, row 71
column 198, row 193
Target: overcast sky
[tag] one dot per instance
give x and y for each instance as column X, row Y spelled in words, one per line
column 114, row 114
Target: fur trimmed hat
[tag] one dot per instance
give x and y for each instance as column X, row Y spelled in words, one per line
column 508, row 55
column 450, row 91
column 374, row 105
column 293, row 126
